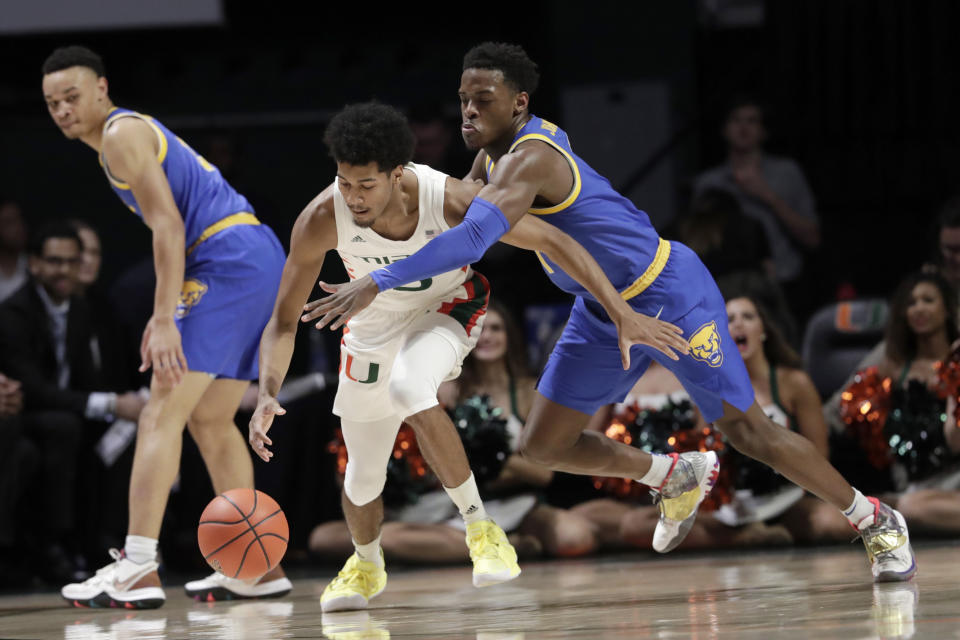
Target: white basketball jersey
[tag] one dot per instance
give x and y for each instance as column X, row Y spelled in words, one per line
column 363, row 250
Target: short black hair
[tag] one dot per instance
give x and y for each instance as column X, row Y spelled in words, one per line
column 54, row 229
column 519, row 71
column 370, row 132
column 74, row 56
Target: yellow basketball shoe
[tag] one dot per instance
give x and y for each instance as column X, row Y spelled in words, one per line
column 494, row 558
column 354, row 586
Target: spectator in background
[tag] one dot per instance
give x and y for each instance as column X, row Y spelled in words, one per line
column 770, row 189
column 725, row 239
column 946, row 262
column 926, row 455
column 948, row 241
column 13, row 245
column 46, row 338
column 18, row 459
column 90, row 257
column 436, row 145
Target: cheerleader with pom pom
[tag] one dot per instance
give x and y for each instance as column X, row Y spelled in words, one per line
column 903, row 413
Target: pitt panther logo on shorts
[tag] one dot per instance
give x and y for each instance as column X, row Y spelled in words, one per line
column 190, row 295
column 705, row 345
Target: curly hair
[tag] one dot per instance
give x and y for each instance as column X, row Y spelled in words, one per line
column 370, row 132
column 901, row 340
column 73, row 56
column 519, row 71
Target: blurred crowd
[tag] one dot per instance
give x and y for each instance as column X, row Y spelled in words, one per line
column 873, row 383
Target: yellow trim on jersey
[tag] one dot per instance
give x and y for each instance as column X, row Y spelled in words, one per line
column 546, row 267
column 574, row 192
column 161, row 152
column 644, row 281
column 243, row 217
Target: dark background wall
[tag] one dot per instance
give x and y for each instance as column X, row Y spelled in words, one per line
column 862, row 94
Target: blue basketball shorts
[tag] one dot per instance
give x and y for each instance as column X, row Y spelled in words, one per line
column 584, row 371
column 229, row 289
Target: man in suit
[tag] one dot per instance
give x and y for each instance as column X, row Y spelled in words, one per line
column 48, row 344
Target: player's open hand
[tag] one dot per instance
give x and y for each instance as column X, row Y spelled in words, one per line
column 260, row 423
column 161, row 349
column 345, row 301
column 636, row 328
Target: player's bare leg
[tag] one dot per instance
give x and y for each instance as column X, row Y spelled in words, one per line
column 227, row 458
column 156, row 459
column 883, row 529
column 222, row 445
column 494, row 558
column 132, row 581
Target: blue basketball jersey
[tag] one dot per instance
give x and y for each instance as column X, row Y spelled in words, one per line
column 201, row 194
column 619, row 236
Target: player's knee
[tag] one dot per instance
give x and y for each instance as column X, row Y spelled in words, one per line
column 210, row 433
column 363, row 486
column 746, row 437
column 537, row 449
column 411, row 395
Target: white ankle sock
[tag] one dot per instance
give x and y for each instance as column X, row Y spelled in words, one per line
column 467, row 499
column 660, row 466
column 140, row 549
column 859, row 509
column 369, row 552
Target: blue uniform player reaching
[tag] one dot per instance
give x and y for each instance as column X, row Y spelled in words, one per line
column 673, row 313
column 217, row 271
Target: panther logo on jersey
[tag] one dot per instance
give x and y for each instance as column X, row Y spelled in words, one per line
column 190, row 295
column 705, row 345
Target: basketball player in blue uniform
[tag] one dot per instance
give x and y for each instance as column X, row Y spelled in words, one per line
column 528, row 166
column 217, row 271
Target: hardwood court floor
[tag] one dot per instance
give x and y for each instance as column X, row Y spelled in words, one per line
column 785, row 594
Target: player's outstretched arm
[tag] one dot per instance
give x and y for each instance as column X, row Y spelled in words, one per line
column 632, row 327
column 130, row 149
column 489, row 215
column 314, row 233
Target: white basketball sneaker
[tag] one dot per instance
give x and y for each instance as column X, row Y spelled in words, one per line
column 887, row 540
column 687, row 484
column 123, row 583
column 217, row 587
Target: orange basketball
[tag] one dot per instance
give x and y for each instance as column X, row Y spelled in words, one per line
column 243, row 533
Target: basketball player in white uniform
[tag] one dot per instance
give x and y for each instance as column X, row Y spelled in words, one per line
column 395, row 353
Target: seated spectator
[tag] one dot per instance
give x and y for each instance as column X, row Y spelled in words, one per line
column 948, row 242
column 494, row 369
column 946, row 261
column 90, row 258
column 45, row 342
column 771, row 189
column 919, row 440
column 13, row 245
column 18, row 458
column 725, row 239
